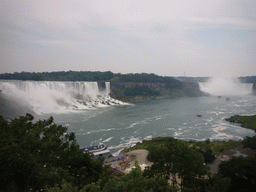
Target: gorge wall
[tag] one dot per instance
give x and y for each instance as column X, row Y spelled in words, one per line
column 141, row 91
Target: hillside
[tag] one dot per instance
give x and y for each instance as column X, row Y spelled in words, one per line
column 141, row 91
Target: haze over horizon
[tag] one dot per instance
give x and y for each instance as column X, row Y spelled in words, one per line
column 168, row 38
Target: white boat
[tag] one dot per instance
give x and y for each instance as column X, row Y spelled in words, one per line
column 105, row 153
column 97, row 151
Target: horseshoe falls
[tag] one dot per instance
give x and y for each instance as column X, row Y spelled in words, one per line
column 226, row 86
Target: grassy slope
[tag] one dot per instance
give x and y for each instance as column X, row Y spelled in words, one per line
column 216, row 146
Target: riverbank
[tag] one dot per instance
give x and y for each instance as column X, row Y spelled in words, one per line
column 248, row 122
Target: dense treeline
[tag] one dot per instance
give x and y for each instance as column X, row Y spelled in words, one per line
column 242, row 173
column 176, row 159
column 193, row 79
column 171, row 156
column 144, row 77
column 248, row 79
column 60, row 76
column 36, row 155
column 87, row 76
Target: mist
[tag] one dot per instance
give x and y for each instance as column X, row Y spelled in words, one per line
column 53, row 97
column 226, row 86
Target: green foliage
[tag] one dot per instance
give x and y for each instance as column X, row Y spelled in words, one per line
column 44, row 156
column 88, row 76
column 130, row 92
column 92, row 187
column 220, row 146
column 215, row 146
column 40, row 154
column 193, row 79
column 245, row 121
column 249, row 142
column 177, row 158
column 134, row 181
column 156, row 141
column 141, row 90
column 217, row 183
column 63, row 187
column 208, row 155
column 60, row 76
column 144, row 77
column 241, row 171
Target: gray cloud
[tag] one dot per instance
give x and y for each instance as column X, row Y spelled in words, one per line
column 213, row 38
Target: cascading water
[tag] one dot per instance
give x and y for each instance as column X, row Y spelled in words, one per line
column 57, row 97
column 226, row 86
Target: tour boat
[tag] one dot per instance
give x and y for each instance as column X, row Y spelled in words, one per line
column 97, row 151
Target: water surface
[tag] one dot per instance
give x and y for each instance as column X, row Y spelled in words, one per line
column 121, row 126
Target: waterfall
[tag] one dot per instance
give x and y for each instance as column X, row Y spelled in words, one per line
column 57, row 97
column 226, row 86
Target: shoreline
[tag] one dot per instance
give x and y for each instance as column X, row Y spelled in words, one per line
column 140, row 155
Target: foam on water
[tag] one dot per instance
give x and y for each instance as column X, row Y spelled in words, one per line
column 107, row 140
column 126, row 143
column 149, row 137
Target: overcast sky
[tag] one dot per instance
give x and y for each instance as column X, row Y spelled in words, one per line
column 165, row 37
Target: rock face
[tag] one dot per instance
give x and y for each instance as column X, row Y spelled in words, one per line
column 254, row 88
column 141, row 91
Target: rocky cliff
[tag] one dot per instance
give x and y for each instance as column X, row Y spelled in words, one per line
column 141, row 91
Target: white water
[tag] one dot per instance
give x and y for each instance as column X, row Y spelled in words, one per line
column 57, row 97
column 226, row 87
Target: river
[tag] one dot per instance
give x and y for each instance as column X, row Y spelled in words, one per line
column 122, row 125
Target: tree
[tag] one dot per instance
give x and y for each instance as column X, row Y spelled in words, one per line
column 134, row 181
column 40, row 154
column 208, row 155
column 160, row 167
column 64, row 187
column 241, row 171
column 189, row 165
column 249, row 142
column 178, row 159
column 217, row 183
